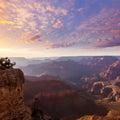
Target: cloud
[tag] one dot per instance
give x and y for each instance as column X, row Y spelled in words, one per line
column 32, row 15
column 58, row 24
column 32, row 12
column 60, row 45
column 57, row 11
column 116, row 32
column 46, row 6
column 4, row 22
column 36, row 37
column 46, row 17
column 111, row 42
column 2, row 5
column 102, row 26
column 81, row 10
column 102, row 21
column 30, row 37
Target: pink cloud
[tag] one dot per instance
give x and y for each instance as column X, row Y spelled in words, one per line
column 116, row 32
column 81, row 10
column 56, row 11
column 58, row 24
column 110, row 42
column 60, row 45
column 98, row 31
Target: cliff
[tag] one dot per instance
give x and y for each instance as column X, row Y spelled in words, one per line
column 11, row 95
column 112, row 72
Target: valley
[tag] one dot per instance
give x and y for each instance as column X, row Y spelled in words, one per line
column 67, row 88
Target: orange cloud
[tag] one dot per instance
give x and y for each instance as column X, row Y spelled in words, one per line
column 50, row 8
column 30, row 38
column 6, row 22
column 2, row 5
column 58, row 24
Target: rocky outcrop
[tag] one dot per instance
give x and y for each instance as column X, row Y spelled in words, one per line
column 106, row 84
column 111, row 115
column 96, row 88
column 95, row 117
column 107, row 91
column 11, row 96
column 112, row 71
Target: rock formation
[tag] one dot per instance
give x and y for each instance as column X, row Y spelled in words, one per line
column 112, row 71
column 106, row 84
column 11, row 96
column 95, row 117
column 111, row 115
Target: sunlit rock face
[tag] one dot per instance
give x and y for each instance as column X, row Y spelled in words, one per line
column 95, row 117
column 11, row 96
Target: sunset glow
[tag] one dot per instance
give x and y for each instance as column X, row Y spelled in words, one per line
column 39, row 28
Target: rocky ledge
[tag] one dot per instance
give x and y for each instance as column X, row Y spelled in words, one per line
column 12, row 96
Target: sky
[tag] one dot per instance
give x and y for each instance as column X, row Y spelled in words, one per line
column 49, row 28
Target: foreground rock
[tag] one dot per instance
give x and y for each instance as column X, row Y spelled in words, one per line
column 11, row 96
column 111, row 115
column 95, row 117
